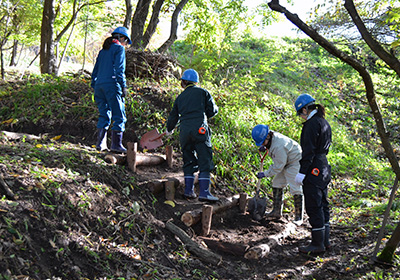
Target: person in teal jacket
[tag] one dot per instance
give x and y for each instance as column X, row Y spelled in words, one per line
column 192, row 109
column 109, row 84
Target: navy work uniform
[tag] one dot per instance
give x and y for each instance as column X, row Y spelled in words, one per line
column 192, row 108
column 316, row 138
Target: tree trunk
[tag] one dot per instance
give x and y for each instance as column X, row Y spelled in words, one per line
column 128, row 13
column 66, row 46
column 387, row 253
column 152, row 26
column 174, row 27
column 2, row 63
column 47, row 56
column 138, row 22
column 374, row 45
column 13, row 60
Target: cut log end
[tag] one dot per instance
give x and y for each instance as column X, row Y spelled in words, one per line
column 257, row 252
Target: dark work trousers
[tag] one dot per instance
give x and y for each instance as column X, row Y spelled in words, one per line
column 196, row 149
column 317, row 205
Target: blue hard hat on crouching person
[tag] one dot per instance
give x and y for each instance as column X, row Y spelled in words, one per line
column 190, row 75
column 259, row 133
column 124, row 32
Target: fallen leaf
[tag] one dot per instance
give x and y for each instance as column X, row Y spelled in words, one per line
column 170, row 203
column 55, row 138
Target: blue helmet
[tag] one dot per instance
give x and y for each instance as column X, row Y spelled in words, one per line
column 190, row 75
column 122, row 31
column 303, row 100
column 259, row 133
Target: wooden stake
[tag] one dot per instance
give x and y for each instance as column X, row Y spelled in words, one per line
column 243, row 202
column 135, row 159
column 206, row 218
column 169, row 153
column 156, row 186
column 131, row 155
column 170, row 190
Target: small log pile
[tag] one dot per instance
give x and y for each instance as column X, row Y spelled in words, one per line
column 146, row 64
column 192, row 217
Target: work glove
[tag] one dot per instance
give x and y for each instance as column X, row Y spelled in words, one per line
column 299, row 178
column 124, row 91
column 168, row 133
column 262, row 148
column 260, row 175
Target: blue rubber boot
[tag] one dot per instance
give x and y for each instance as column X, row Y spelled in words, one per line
column 101, row 144
column 189, row 187
column 116, row 142
column 204, row 184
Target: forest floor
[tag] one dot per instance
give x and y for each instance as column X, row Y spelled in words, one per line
column 68, row 214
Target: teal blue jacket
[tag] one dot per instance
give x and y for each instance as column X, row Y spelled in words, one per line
column 110, row 66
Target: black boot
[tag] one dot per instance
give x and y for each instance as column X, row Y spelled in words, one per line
column 298, row 209
column 317, row 243
column 327, row 236
column 277, row 204
column 116, row 142
column 101, row 144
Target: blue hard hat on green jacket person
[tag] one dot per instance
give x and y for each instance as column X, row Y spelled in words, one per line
column 259, row 133
column 124, row 32
column 302, row 101
column 190, row 75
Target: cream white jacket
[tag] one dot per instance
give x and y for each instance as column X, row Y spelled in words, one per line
column 283, row 151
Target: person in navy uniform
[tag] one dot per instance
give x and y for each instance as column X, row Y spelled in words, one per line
column 192, row 108
column 109, row 84
column 315, row 171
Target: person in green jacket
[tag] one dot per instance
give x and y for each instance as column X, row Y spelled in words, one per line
column 192, row 109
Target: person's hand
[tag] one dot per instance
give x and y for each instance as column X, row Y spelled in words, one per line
column 262, row 148
column 124, row 91
column 168, row 133
column 260, row 175
column 299, row 178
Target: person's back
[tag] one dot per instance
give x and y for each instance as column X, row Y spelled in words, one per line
column 195, row 105
column 192, row 108
column 110, row 66
column 109, row 84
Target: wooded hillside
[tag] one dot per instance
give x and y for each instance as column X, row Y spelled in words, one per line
column 68, row 210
